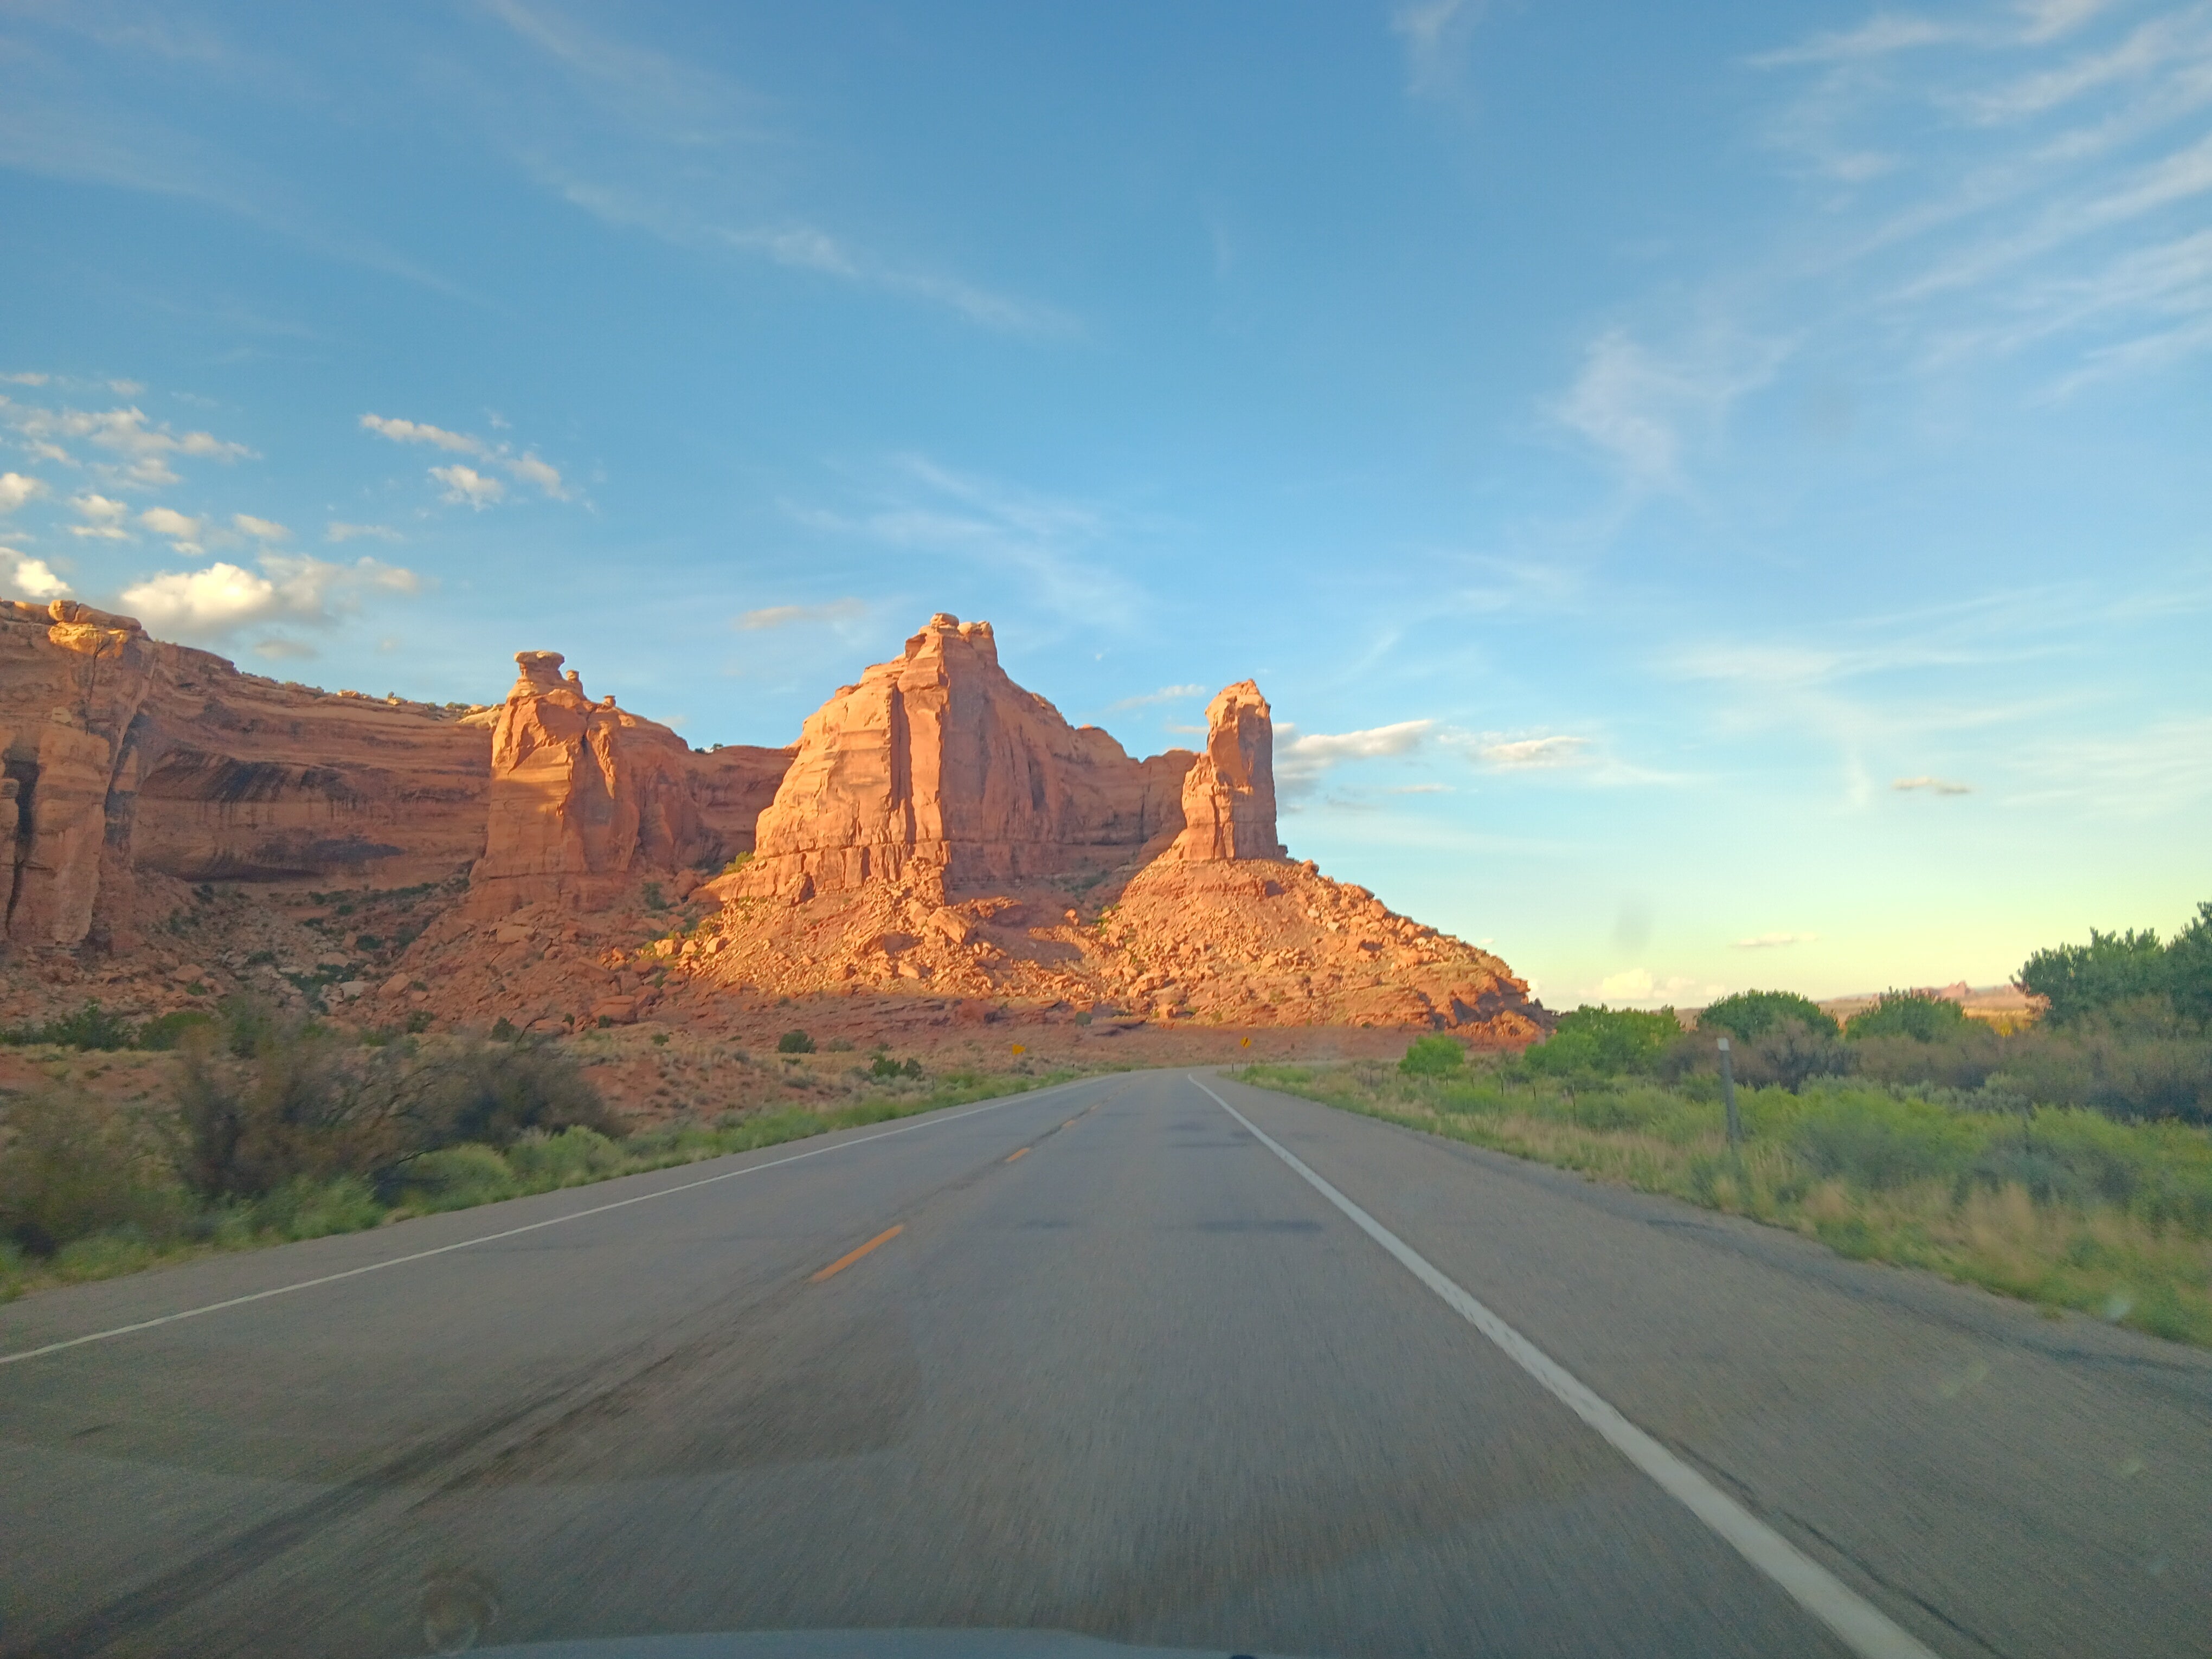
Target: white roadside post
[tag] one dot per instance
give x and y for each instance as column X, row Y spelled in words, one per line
column 1728, row 1094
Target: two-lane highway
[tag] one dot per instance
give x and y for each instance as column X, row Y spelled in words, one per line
column 1100, row 1359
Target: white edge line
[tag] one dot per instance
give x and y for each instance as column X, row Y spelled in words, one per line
column 1862, row 1626
column 925, row 1121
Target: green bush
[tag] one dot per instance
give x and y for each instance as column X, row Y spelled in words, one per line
column 1915, row 1014
column 89, row 1027
column 1435, row 1055
column 2081, row 980
column 1750, row 1015
column 1605, row 1043
column 167, row 1031
column 575, row 1154
column 1876, row 1141
column 456, row 1178
column 794, row 1043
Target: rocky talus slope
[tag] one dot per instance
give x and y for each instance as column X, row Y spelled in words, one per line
column 941, row 846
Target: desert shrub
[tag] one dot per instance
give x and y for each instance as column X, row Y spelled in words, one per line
column 1914, row 1014
column 2138, row 1061
column 1605, row 1043
column 457, row 1178
column 165, row 1031
column 89, row 1027
column 1965, row 1058
column 794, row 1043
column 495, row 1094
column 71, row 1166
column 305, row 1208
column 1750, row 1015
column 1433, row 1057
column 1791, row 1054
column 885, row 1065
column 539, row 1159
column 301, row 1107
column 1876, row 1141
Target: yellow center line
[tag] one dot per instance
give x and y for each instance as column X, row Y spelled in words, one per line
column 851, row 1256
column 1021, row 1151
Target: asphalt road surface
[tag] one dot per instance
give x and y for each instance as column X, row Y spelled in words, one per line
column 1100, row 1359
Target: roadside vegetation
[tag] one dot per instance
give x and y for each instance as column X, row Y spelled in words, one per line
column 2069, row 1163
column 275, row 1130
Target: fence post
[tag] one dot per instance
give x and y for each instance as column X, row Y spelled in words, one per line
column 1728, row 1094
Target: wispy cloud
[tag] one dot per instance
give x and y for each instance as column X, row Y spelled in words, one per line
column 1772, row 941
column 338, row 531
column 1644, row 410
column 793, row 615
column 464, row 484
column 1436, row 33
column 15, row 488
column 144, row 449
column 651, row 142
column 1932, row 786
column 1058, row 548
column 1165, row 694
column 1517, row 753
column 1302, row 758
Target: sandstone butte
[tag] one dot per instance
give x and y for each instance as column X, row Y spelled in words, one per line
column 938, row 839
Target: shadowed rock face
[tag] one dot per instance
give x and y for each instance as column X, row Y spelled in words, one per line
column 1229, row 796
column 938, row 768
column 133, row 760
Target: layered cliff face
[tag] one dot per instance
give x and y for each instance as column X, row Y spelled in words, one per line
column 134, row 760
column 938, row 768
column 587, row 798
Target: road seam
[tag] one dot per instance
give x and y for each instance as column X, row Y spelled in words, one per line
column 929, row 1120
column 1860, row 1626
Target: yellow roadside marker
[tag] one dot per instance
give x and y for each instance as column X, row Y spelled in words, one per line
column 851, row 1256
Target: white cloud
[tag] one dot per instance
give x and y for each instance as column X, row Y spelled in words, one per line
column 1303, row 757
column 277, row 645
column 1516, row 753
column 338, row 531
column 147, row 446
column 289, row 587
column 467, row 486
column 15, row 488
column 33, row 578
column 1773, row 941
column 103, row 518
column 1934, row 786
column 532, row 471
column 1165, row 694
column 786, row 616
column 422, row 431
column 26, row 378
column 181, row 528
column 1641, row 986
column 262, row 529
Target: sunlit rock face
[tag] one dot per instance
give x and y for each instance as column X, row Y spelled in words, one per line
column 1229, row 796
column 938, row 768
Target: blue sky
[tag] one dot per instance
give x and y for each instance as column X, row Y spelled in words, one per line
column 1718, row 496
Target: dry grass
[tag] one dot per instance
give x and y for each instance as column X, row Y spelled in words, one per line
column 2145, row 1261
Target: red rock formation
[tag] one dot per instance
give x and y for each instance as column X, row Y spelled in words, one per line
column 135, row 759
column 1229, row 796
column 938, row 768
column 586, row 797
